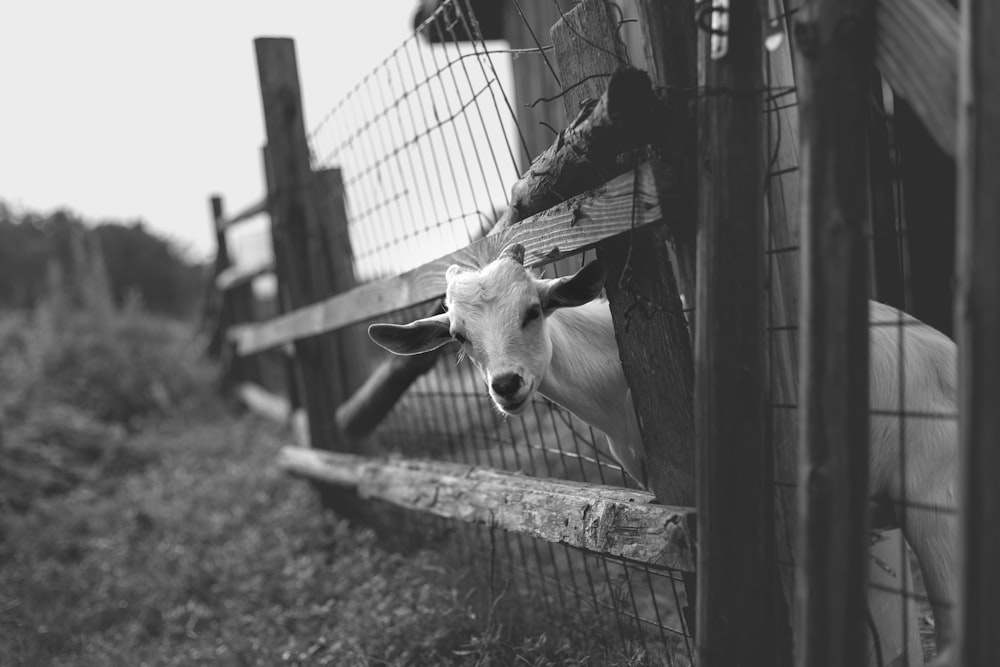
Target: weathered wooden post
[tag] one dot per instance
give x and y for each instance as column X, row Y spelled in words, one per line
column 296, row 221
column 835, row 40
column 741, row 616
column 642, row 287
column 352, row 345
column 236, row 306
column 977, row 320
column 293, row 378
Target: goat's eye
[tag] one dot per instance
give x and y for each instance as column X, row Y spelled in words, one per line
column 460, row 338
column 533, row 314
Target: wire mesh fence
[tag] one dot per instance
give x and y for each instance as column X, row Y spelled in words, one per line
column 429, row 144
column 901, row 424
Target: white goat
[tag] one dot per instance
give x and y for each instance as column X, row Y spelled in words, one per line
column 527, row 334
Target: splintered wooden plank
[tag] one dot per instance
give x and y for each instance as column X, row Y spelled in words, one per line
column 600, row 519
column 916, row 49
column 623, row 203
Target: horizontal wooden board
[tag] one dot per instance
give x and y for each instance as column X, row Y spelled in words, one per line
column 600, row 519
column 916, row 49
column 235, row 276
column 247, row 213
column 565, row 229
column 263, row 403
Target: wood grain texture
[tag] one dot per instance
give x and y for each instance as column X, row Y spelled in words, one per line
column 835, row 40
column 650, row 326
column 601, row 519
column 237, row 308
column 296, row 220
column 585, row 153
column 250, row 211
column 566, row 229
column 978, row 326
column 738, row 591
column 917, row 51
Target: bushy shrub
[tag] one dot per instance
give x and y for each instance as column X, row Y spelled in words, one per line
column 133, row 367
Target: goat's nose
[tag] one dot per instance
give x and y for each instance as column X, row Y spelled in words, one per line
column 506, row 385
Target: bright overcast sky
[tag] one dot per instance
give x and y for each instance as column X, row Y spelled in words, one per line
column 121, row 110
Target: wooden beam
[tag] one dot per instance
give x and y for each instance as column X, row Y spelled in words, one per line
column 916, row 49
column 352, row 346
column 296, row 223
column 978, row 326
column 782, row 192
column 222, row 262
column 263, row 403
column 237, row 308
column 650, row 325
column 607, row 520
column 364, row 410
column 618, row 117
column 835, row 40
column 250, row 211
column 738, row 586
column 565, row 229
column 671, row 46
column 235, row 276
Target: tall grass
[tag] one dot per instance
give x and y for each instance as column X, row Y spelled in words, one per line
column 142, row 523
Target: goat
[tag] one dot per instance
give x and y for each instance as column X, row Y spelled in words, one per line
column 555, row 337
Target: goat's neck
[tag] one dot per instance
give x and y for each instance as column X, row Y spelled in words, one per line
column 585, row 375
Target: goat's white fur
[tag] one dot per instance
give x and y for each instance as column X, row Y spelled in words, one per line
column 570, row 356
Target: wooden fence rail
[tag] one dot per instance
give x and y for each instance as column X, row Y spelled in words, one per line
column 599, row 519
column 625, row 203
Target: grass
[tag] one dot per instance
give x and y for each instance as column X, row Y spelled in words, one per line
column 151, row 527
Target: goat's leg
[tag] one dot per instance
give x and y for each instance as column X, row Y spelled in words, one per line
column 928, row 514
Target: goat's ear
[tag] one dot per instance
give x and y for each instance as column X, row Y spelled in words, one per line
column 582, row 287
column 423, row 335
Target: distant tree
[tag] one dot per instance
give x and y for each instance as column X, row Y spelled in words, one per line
column 138, row 262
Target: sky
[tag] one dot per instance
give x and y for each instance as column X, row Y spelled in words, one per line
column 124, row 110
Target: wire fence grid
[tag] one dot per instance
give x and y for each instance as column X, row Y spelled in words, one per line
column 429, row 144
column 891, row 282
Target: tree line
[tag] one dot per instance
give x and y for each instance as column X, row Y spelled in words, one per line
column 38, row 250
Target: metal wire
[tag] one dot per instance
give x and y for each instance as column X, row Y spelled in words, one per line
column 428, row 145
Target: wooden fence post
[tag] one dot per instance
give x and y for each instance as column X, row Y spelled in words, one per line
column 978, row 326
column 649, row 322
column 740, row 613
column 353, row 346
column 652, row 331
column 671, row 49
column 299, row 255
column 236, row 307
column 293, row 378
column 836, row 48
